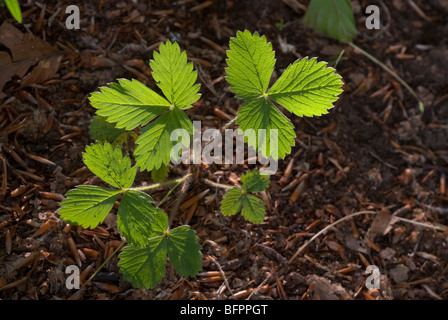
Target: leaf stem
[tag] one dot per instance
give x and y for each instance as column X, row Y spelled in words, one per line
column 160, row 184
column 171, row 190
column 105, row 261
column 392, row 73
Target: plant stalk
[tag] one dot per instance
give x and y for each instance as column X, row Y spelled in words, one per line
column 160, row 184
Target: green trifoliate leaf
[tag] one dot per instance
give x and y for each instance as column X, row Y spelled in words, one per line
column 14, row 8
column 184, row 251
column 250, row 64
column 110, row 165
column 251, row 207
column 279, row 134
column 175, row 76
column 154, row 145
column 334, row 18
column 253, row 181
column 102, row 130
column 159, row 175
column 144, row 266
column 307, row 88
column 135, row 217
column 128, row 103
column 88, row 205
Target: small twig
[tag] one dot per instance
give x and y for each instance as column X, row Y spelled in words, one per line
column 259, row 287
column 422, row 224
column 223, row 275
column 392, row 73
column 326, row 228
column 427, row 225
column 217, row 185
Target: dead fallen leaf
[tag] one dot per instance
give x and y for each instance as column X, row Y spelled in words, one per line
column 382, row 222
column 399, row 273
column 28, row 57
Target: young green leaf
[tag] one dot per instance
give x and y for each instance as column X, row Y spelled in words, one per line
column 102, row 130
column 232, row 202
column 154, row 145
column 144, row 266
column 128, row 103
column 88, row 205
column 250, row 64
column 14, row 8
column 332, row 17
column 135, row 217
column 110, row 165
column 307, row 88
column 261, row 114
column 175, row 76
column 239, row 200
column 251, row 207
column 253, row 181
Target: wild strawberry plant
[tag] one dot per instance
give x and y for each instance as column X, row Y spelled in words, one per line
column 242, row 200
column 305, row 88
column 144, row 225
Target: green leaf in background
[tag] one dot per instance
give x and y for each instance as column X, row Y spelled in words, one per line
column 250, row 64
column 110, row 165
column 160, row 174
column 14, row 8
column 88, row 206
column 144, row 266
column 262, row 114
column 334, row 18
column 154, row 144
column 175, row 76
column 253, row 181
column 128, row 103
column 307, row 88
column 102, row 130
column 135, row 217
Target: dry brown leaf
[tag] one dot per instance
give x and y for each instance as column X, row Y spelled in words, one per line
column 382, row 222
column 25, row 51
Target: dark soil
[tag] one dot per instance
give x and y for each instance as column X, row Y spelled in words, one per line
column 375, row 151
